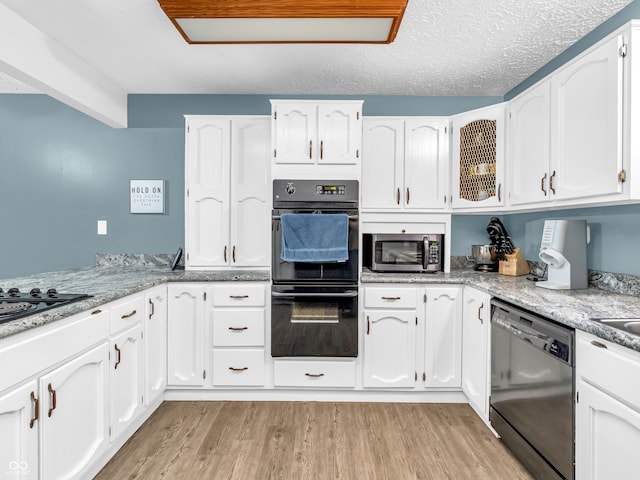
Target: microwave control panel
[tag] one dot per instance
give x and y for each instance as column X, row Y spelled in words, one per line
column 433, row 252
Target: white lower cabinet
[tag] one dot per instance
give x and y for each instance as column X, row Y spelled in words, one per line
column 238, row 322
column 412, row 337
column 209, row 326
column 74, row 414
column 443, row 337
column 325, row 373
column 19, row 432
column 607, row 409
column 238, row 367
column 186, row 334
column 126, row 379
column 155, row 342
column 476, row 310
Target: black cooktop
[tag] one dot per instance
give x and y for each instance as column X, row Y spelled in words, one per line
column 15, row 304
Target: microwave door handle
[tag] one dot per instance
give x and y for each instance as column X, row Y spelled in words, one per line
column 350, row 294
column 425, row 253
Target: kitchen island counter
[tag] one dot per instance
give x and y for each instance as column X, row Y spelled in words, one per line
column 574, row 308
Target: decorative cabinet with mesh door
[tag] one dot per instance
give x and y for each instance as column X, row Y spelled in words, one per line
column 478, row 158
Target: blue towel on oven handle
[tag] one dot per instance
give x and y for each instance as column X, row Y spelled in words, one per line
column 315, row 238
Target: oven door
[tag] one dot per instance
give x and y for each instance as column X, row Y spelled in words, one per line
column 314, row 321
column 300, row 272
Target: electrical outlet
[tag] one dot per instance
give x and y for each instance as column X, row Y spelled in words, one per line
column 102, row 227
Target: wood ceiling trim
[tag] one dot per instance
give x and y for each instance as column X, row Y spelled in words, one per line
column 286, row 9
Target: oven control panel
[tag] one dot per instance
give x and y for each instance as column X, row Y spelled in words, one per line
column 330, row 189
column 319, row 191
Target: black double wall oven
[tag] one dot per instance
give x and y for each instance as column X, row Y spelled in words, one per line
column 315, row 243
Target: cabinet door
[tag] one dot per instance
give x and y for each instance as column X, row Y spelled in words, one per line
column 443, row 337
column 383, row 149
column 250, row 194
column 586, row 113
column 529, row 132
column 475, row 349
column 425, row 164
column 478, row 158
column 339, row 134
column 207, row 177
column 74, row 414
column 19, row 432
column 294, row 133
column 186, row 336
column 607, row 436
column 126, row 377
column 155, row 351
column 389, row 348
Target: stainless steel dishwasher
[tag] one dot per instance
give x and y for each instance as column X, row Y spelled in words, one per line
column 532, row 389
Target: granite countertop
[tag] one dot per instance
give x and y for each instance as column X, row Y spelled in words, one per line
column 108, row 283
column 574, row 308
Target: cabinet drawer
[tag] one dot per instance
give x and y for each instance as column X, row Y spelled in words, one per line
column 390, row 297
column 314, row 373
column 239, row 295
column 614, row 368
column 38, row 349
column 238, row 367
column 238, row 328
column 126, row 312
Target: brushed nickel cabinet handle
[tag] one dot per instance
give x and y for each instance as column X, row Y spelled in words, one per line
column 551, row 187
column 238, row 369
column 118, row 353
column 129, row 315
column 595, row 343
column 314, row 375
column 542, row 184
column 36, row 409
column 398, row 196
column 407, row 195
column 499, row 192
column 480, row 312
column 52, row 398
column 233, row 254
column 238, row 329
column 225, row 253
column 153, row 309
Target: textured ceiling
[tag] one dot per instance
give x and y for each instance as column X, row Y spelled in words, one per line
column 443, row 47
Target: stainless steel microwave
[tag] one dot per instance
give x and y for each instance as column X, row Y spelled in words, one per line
column 391, row 252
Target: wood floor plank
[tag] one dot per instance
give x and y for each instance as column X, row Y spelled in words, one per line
column 313, row 440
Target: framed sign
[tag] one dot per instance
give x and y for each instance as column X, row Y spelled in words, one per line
column 147, row 196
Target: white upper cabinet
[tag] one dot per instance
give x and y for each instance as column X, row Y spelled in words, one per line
column 529, row 146
column 570, row 134
column 228, row 191
column 478, row 147
column 405, row 163
column 586, row 124
column 307, row 135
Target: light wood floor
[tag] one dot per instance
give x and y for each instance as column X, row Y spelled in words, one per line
column 311, row 440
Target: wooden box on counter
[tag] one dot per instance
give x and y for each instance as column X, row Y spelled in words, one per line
column 514, row 264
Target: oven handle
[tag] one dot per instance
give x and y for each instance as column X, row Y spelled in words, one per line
column 350, row 294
